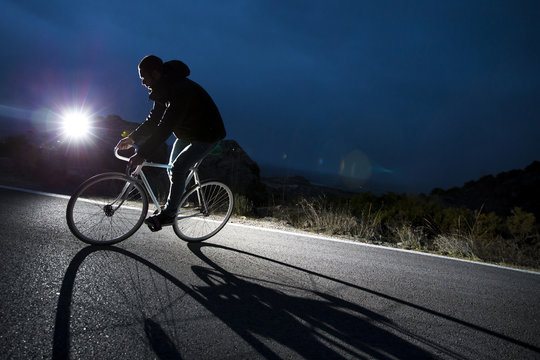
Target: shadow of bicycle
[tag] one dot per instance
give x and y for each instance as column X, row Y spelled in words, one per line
column 312, row 324
column 116, row 304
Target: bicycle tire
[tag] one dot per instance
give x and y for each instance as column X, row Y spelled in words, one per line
column 98, row 215
column 192, row 223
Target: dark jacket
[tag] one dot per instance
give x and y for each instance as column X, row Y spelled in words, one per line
column 182, row 107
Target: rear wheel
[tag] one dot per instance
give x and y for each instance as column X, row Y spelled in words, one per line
column 203, row 211
column 106, row 209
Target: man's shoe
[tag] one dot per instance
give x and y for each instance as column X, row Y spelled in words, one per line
column 156, row 222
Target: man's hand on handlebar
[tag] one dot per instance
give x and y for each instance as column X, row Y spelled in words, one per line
column 125, row 143
column 135, row 160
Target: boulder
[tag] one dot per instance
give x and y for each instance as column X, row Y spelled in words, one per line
column 233, row 166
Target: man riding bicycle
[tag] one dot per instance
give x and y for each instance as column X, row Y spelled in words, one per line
column 183, row 108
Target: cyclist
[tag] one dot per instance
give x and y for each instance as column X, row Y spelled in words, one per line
column 183, row 108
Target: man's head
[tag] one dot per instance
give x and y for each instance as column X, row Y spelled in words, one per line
column 150, row 70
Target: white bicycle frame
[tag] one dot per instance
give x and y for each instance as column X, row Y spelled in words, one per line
column 193, row 174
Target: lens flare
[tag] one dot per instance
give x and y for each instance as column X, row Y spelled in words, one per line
column 355, row 169
column 76, row 124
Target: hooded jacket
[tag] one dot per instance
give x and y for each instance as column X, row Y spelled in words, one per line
column 182, row 107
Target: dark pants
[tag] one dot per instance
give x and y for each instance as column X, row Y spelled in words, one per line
column 184, row 155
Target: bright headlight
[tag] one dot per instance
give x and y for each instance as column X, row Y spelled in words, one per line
column 76, row 124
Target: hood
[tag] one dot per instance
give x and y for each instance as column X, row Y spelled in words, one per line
column 176, row 68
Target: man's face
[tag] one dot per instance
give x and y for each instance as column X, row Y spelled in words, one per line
column 149, row 78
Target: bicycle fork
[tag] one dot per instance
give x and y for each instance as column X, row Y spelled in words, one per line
column 110, row 208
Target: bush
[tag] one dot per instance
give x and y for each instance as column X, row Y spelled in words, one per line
column 420, row 223
column 321, row 215
column 521, row 224
column 486, row 226
column 369, row 224
column 454, row 245
column 416, row 222
column 409, row 237
column 243, row 206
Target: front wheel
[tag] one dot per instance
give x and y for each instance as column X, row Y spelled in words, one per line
column 106, row 209
column 203, row 211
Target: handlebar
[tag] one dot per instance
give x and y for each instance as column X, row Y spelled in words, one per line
column 128, row 167
column 123, row 158
column 145, row 163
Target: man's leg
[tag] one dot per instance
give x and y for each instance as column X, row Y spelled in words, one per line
column 183, row 156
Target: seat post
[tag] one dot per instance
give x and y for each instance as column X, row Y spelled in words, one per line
column 196, row 177
column 194, row 173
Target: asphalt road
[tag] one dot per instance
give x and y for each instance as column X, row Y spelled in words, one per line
column 247, row 293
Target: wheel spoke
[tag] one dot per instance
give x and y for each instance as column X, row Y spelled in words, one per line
column 90, row 220
column 192, row 224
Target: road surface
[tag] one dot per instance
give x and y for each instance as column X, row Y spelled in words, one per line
column 248, row 293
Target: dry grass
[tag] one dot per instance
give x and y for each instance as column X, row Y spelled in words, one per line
column 454, row 245
column 409, row 237
column 469, row 241
column 242, row 205
column 320, row 216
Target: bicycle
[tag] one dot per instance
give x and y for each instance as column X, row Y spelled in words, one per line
column 110, row 207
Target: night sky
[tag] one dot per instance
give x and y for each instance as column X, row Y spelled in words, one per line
column 398, row 95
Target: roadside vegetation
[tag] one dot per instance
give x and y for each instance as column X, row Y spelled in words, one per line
column 416, row 223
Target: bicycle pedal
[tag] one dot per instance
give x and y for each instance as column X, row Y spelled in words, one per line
column 153, row 224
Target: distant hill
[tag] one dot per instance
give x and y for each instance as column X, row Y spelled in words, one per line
column 290, row 187
column 499, row 193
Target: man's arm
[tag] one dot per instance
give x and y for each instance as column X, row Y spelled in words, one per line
column 147, row 128
column 173, row 114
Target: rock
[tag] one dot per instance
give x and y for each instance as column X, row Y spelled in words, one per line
column 234, row 167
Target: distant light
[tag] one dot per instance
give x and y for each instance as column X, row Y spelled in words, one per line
column 76, row 124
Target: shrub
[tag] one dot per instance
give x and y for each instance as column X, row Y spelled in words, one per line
column 416, row 222
column 454, row 245
column 321, row 215
column 447, row 220
column 243, row 206
column 486, row 226
column 521, row 224
column 369, row 224
column 409, row 237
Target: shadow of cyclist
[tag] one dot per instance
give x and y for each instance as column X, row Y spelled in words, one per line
column 319, row 326
column 305, row 322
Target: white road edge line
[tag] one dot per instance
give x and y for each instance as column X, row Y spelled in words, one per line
column 312, row 236
column 357, row 243
column 34, row 192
